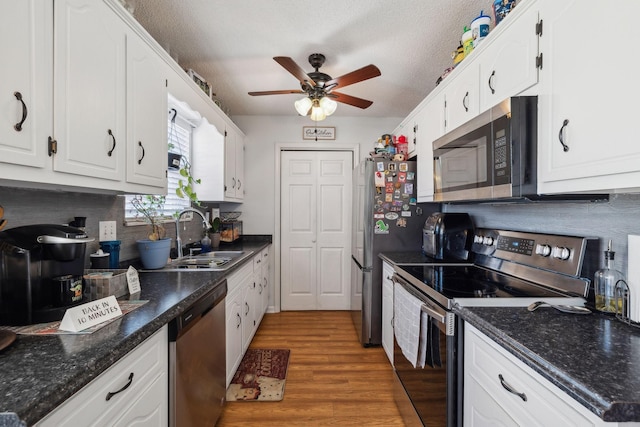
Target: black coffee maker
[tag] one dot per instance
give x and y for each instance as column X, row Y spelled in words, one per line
column 41, row 268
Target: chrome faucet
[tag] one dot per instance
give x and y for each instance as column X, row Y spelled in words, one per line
column 205, row 224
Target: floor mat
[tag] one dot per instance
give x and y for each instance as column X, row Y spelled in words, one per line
column 260, row 377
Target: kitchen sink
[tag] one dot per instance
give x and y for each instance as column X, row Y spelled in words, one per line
column 210, row 261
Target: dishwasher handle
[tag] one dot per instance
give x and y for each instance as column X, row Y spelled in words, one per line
column 198, row 309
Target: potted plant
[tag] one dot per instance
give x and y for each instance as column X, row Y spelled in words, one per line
column 214, row 232
column 154, row 251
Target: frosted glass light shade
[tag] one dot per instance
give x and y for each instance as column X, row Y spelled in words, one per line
column 303, row 105
column 317, row 113
column 328, row 105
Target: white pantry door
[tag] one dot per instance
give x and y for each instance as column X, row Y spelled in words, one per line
column 315, row 230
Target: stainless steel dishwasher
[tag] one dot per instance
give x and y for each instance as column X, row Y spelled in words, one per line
column 197, row 361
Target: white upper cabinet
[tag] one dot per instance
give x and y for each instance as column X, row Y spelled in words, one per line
column 509, row 63
column 147, row 115
column 234, row 165
column 85, row 90
column 430, row 127
column 461, row 96
column 588, row 140
column 218, row 161
column 26, row 85
column 89, row 90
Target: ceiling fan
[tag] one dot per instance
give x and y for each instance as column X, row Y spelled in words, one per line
column 319, row 87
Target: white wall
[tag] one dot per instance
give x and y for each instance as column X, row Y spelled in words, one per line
column 262, row 135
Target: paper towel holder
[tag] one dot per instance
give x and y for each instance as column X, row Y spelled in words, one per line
column 623, row 294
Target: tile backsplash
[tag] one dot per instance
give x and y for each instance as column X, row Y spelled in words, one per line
column 28, row 206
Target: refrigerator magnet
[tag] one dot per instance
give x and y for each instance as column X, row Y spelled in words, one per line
column 408, row 188
column 413, row 201
column 402, row 177
column 411, row 176
column 401, row 222
column 404, row 167
column 381, row 227
column 389, row 187
column 392, row 167
column 391, row 216
column 405, row 213
column 380, row 166
column 388, row 197
column 379, row 179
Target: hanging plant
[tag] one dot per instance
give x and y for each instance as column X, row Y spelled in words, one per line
column 186, row 188
column 151, row 208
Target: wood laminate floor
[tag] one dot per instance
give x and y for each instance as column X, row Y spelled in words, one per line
column 332, row 380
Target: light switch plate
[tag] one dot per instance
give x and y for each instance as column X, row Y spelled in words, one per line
column 107, row 230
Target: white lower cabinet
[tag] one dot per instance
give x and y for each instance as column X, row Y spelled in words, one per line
column 134, row 391
column 387, row 310
column 500, row 390
column 244, row 310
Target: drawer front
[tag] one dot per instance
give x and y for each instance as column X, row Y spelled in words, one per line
column 90, row 407
column 490, row 366
column 240, row 276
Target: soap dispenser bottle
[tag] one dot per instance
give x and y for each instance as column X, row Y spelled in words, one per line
column 605, row 281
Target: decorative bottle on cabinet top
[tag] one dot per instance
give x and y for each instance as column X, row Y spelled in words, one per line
column 605, row 281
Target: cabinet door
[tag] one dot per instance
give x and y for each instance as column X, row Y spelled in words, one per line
column 461, row 96
column 89, row 89
column 249, row 310
column 147, row 117
column 387, row 310
column 25, row 43
column 430, row 125
column 508, row 64
column 233, row 334
column 266, row 281
column 149, row 409
column 229, row 164
column 589, row 100
column 239, row 163
column 208, row 161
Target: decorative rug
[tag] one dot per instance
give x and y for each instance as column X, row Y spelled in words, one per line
column 260, row 376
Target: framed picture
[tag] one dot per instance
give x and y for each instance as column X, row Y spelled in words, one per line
column 318, row 133
column 201, row 82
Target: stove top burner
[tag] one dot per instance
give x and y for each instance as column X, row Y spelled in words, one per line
column 474, row 282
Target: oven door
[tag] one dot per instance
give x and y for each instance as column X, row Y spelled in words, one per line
column 431, row 390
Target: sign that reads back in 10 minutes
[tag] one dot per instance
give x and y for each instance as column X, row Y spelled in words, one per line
column 90, row 314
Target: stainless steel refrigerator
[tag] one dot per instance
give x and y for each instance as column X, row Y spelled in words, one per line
column 386, row 218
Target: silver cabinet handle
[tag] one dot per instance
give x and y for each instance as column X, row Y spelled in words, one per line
column 510, row 389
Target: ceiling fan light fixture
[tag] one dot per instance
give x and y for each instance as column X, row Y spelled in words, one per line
column 317, row 113
column 303, row 105
column 328, row 105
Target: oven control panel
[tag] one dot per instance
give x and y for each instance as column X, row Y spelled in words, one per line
column 557, row 253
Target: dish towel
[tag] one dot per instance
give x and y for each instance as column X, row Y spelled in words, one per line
column 406, row 325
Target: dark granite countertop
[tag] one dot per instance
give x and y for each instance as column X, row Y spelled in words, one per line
column 593, row 358
column 38, row 373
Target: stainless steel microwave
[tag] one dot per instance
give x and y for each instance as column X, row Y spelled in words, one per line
column 493, row 156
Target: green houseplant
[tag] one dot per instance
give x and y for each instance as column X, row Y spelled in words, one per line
column 155, row 250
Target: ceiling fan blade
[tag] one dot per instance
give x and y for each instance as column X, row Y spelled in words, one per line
column 351, row 100
column 290, row 65
column 276, row 92
column 364, row 73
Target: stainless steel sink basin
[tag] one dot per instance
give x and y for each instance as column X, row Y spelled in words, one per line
column 210, row 261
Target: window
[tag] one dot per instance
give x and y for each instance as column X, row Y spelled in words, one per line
column 179, row 141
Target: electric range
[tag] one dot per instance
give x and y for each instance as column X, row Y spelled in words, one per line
column 509, row 268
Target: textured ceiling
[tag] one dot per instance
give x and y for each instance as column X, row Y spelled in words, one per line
column 231, row 44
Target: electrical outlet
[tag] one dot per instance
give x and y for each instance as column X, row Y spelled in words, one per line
column 107, row 230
